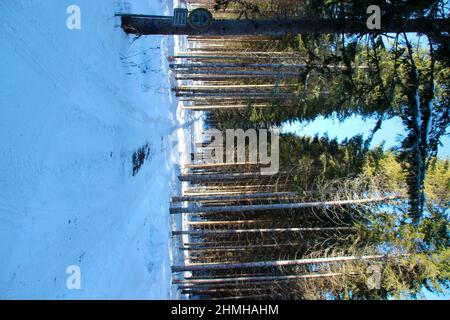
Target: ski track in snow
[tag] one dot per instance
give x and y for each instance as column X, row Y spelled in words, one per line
column 74, row 107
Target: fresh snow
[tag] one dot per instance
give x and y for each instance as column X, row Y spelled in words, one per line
column 74, row 107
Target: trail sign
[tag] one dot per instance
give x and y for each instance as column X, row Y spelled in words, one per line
column 200, row 19
column 180, row 17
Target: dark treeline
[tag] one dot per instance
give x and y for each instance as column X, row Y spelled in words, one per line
column 340, row 220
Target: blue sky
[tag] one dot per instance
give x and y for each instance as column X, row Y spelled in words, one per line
column 432, row 296
column 390, row 132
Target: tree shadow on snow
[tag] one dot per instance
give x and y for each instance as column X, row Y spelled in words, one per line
column 140, row 156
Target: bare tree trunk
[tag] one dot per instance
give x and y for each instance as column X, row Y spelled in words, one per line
column 225, row 222
column 224, row 107
column 265, row 264
column 235, row 247
column 221, row 166
column 242, row 54
column 146, row 26
column 250, row 94
column 279, row 206
column 231, row 88
column 228, row 77
column 263, row 195
column 223, row 56
column 196, row 66
column 226, row 176
column 248, row 280
column 240, row 231
column 222, row 72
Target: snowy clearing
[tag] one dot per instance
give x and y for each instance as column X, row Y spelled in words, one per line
column 76, row 105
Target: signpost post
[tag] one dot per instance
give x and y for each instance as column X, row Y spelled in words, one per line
column 197, row 20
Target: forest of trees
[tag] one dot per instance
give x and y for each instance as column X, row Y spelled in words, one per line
column 341, row 219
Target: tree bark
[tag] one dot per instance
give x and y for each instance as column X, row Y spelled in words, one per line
column 252, row 279
column 241, row 231
column 147, row 26
column 279, row 206
column 195, row 178
column 272, row 73
column 223, row 107
column 265, row 264
column 235, row 247
column 262, row 195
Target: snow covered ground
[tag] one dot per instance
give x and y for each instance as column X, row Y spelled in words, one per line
column 75, row 105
